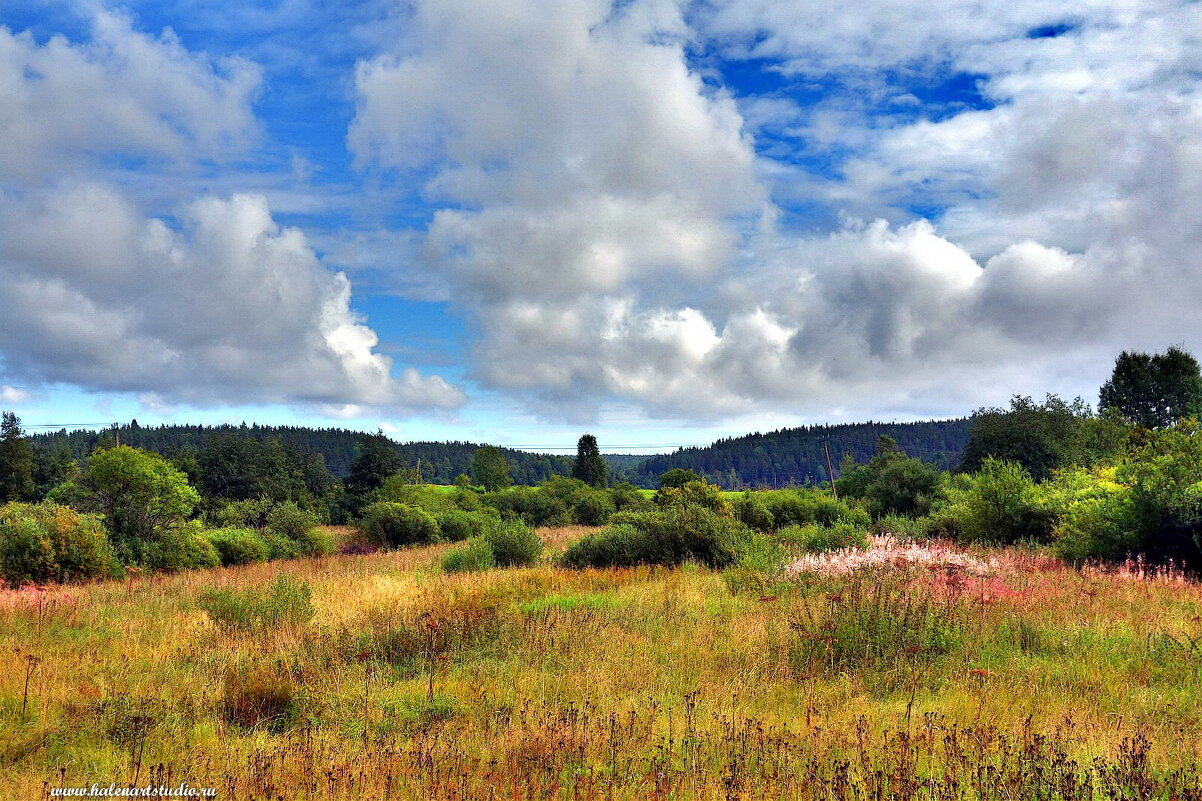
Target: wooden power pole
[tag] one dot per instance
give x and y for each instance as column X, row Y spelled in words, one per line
column 830, row 471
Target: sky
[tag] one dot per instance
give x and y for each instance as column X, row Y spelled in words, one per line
column 660, row 221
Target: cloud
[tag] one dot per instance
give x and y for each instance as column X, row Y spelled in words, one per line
column 122, row 93
column 229, row 308
column 603, row 210
column 12, row 394
column 207, row 302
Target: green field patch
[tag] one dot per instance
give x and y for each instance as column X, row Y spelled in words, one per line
column 569, row 603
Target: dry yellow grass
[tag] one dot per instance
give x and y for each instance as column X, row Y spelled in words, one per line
column 605, row 683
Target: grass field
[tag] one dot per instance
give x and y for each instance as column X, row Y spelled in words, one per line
column 1006, row 676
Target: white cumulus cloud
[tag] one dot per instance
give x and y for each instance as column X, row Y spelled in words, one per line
column 207, row 300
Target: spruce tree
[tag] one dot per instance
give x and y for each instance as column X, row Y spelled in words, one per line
column 16, row 461
column 589, row 467
column 376, row 461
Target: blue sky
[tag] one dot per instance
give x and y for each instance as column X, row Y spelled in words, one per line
column 663, row 222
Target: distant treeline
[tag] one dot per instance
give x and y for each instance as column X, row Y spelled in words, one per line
column 440, row 462
column 787, row 457
column 794, row 456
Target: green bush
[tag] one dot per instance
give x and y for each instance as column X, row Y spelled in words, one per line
column 183, row 547
column 249, row 513
column 815, row 538
column 513, row 544
column 669, row 536
column 292, row 531
column 593, row 507
column 285, row 602
column 239, row 546
column 317, row 541
column 829, row 512
column 760, row 565
column 627, row 497
column 457, row 525
column 1096, row 520
column 396, row 525
column 289, row 520
column 534, row 506
column 1163, row 472
column 1002, row 505
column 699, row 494
column 474, row 555
column 45, row 542
column 902, row 487
column 752, row 511
column 787, row 507
column 279, row 546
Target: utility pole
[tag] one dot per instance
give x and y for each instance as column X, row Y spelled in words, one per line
column 830, row 471
column 117, row 433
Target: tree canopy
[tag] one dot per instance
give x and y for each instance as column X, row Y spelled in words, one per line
column 489, row 469
column 1154, row 390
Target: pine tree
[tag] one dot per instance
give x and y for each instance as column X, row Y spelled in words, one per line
column 16, row 461
column 589, row 467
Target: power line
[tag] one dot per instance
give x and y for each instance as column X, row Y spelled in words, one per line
column 68, row 425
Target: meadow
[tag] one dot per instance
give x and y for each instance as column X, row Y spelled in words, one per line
column 931, row 671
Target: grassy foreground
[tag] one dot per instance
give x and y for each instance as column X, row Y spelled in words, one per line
column 1022, row 680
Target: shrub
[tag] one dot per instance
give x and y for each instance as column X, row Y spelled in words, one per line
column 822, row 539
column 829, row 512
column 902, row 487
column 45, row 542
column 259, row 696
column 289, row 520
column 592, row 507
column 535, row 507
column 285, row 602
column 474, row 555
column 317, row 541
column 239, row 546
column 279, row 546
column 1092, row 513
column 677, row 477
column 184, row 547
column 1002, row 506
column 457, row 525
column 513, row 544
column 751, row 510
column 249, row 513
column 395, row 525
column 760, row 565
column 697, row 494
column 627, row 496
column 668, row 536
column 1164, row 474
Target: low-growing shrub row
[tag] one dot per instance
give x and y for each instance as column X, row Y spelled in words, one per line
column 47, row 542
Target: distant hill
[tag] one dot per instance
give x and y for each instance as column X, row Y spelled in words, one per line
column 793, row 456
